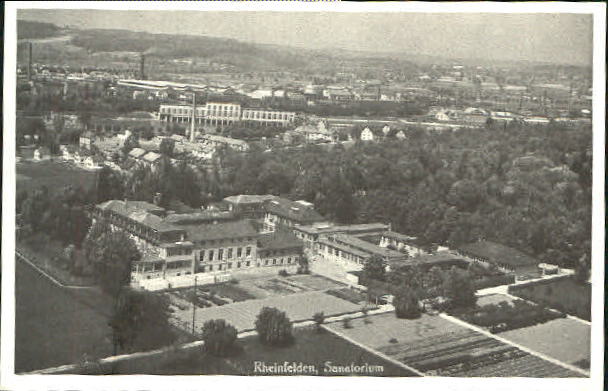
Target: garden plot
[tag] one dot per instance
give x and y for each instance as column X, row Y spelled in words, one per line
column 314, row 282
column 567, row 340
column 439, row 347
column 298, row 307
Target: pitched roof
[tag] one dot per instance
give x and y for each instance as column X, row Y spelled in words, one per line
column 151, row 157
column 137, row 152
column 292, row 210
column 227, row 230
column 197, row 217
column 399, row 237
column 278, row 241
column 352, row 228
column 497, row 253
column 249, row 198
column 142, row 212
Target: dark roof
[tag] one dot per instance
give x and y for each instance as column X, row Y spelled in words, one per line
column 497, row 253
column 278, row 241
column 293, row 210
column 227, row 230
column 399, row 237
column 430, row 260
column 350, row 229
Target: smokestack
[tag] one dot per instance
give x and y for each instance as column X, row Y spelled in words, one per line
column 142, row 63
column 192, row 122
column 29, row 61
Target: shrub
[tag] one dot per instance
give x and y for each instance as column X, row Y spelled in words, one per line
column 393, row 340
column 346, row 323
column 406, row 304
column 318, row 318
column 219, row 337
column 273, row 326
column 283, row 273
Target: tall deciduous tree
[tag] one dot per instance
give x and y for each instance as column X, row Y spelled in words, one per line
column 375, row 268
column 219, row 337
column 273, row 326
column 140, row 321
column 406, row 303
column 459, row 289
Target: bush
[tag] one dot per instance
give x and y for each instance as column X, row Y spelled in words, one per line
column 283, row 273
column 406, row 304
column 393, row 340
column 273, row 327
column 346, row 323
column 219, row 337
column 318, row 318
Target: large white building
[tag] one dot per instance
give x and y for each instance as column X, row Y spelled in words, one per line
column 215, row 113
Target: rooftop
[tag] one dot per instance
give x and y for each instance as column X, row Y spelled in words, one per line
column 293, row 210
column 193, row 218
column 353, row 228
column 225, row 230
column 367, row 247
column 142, row 212
column 278, row 241
column 249, row 198
column 399, row 237
column 497, row 253
column 137, row 152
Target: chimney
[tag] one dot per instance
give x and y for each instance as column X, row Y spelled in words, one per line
column 29, row 61
column 142, row 62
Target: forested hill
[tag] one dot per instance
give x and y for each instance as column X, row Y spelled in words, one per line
column 243, row 55
column 529, row 188
column 32, row 30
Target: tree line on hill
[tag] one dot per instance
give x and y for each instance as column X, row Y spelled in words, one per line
column 529, row 188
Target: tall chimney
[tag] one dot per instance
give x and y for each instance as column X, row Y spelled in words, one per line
column 193, row 120
column 142, row 63
column 29, row 61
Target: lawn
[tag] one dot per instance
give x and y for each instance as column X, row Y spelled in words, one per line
column 54, row 326
column 309, row 348
column 229, row 290
column 242, row 315
column 53, row 174
column 567, row 340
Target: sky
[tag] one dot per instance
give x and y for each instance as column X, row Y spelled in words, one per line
column 559, row 38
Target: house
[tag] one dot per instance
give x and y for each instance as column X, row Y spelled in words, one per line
column 315, row 133
column 281, row 249
column 94, row 161
column 283, row 214
column 397, row 241
column 86, row 140
column 310, row 234
column 152, row 159
column 504, row 257
column 352, row 252
column 248, row 205
column 137, row 153
column 367, row 135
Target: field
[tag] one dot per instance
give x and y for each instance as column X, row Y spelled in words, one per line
column 559, row 293
column 309, row 348
column 54, row 326
column 567, row 340
column 53, row 174
column 242, row 315
column 439, row 347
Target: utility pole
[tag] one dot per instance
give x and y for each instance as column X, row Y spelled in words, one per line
column 194, row 300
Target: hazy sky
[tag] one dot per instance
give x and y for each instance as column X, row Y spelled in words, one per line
column 562, row 38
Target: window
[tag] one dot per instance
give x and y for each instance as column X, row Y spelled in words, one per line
column 229, row 253
column 248, row 251
column 289, row 260
column 239, row 252
column 265, row 262
column 238, row 265
column 220, row 254
column 247, row 263
column 210, row 268
column 211, row 255
column 274, row 261
column 229, row 265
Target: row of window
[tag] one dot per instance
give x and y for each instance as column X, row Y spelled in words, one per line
column 280, row 261
column 266, row 115
column 221, row 253
column 210, row 268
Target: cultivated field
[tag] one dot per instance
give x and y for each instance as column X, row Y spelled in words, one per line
column 242, row 315
column 439, row 347
column 53, row 174
column 567, row 340
column 54, row 326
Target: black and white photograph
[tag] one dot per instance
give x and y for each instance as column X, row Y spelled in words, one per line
column 297, row 194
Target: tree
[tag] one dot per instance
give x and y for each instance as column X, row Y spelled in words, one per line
column 219, row 337
column 112, row 257
column 303, row 265
column 581, row 269
column 318, row 318
column 406, row 303
column 433, row 282
column 375, row 268
column 273, row 326
column 130, row 143
column 140, row 321
column 459, row 289
column 167, row 146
